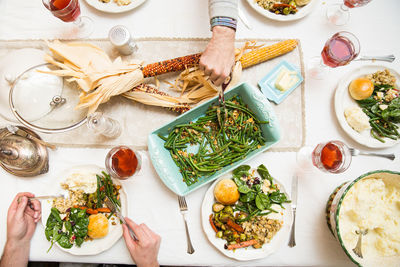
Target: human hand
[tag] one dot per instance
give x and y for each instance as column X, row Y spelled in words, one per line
column 145, row 251
column 219, row 57
column 22, row 218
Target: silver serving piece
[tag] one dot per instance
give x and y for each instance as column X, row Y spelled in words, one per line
column 22, row 156
column 292, row 240
column 358, row 250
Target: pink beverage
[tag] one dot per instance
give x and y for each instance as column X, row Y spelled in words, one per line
column 66, row 10
column 356, row 3
column 339, row 50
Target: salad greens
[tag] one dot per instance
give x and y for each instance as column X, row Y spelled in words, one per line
column 253, row 200
column 67, row 232
column 383, row 110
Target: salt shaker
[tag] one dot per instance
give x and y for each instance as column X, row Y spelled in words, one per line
column 103, row 125
column 121, row 38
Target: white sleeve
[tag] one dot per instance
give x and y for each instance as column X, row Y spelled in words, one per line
column 223, row 8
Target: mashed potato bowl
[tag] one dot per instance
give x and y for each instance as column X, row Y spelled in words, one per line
column 372, row 201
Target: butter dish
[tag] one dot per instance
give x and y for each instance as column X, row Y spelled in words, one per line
column 267, row 83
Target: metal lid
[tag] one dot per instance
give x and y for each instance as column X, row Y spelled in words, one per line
column 22, row 156
column 45, row 102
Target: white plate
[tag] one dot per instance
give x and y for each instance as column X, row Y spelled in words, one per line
column 95, row 246
column 244, row 254
column 302, row 11
column 112, row 7
column 343, row 100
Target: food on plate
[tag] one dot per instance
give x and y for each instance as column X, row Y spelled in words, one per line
column 226, row 134
column 286, row 79
column 357, row 119
column 373, row 203
column 383, row 106
column 282, row 7
column 82, row 216
column 226, row 192
column 258, row 215
column 361, row 88
column 98, row 225
column 118, row 2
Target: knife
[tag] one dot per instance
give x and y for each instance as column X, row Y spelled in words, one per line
column 117, row 212
column 295, row 180
column 244, row 19
column 21, row 132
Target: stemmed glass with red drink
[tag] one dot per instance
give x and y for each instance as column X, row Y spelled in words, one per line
column 339, row 14
column 69, row 11
column 338, row 51
column 332, row 156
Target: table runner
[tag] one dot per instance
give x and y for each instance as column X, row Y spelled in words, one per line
column 138, row 120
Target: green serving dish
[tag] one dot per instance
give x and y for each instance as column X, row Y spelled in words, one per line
column 161, row 158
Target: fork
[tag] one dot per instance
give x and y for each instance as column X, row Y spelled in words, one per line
column 356, row 152
column 183, row 208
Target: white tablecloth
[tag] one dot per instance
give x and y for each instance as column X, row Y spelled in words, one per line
column 149, row 200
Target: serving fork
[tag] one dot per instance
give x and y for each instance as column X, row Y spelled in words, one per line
column 183, row 207
column 356, row 152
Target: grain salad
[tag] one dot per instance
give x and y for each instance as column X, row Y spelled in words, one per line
column 262, row 228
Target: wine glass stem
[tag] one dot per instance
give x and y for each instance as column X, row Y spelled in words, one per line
column 344, row 8
column 78, row 22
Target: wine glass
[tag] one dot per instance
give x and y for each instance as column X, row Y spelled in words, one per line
column 69, row 11
column 338, row 51
column 122, row 162
column 332, row 156
column 339, row 14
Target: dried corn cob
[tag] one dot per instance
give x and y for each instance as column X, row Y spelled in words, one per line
column 170, row 65
column 265, row 53
column 149, row 95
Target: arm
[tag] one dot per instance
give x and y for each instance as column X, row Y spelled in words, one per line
column 219, row 56
column 145, row 251
column 22, row 218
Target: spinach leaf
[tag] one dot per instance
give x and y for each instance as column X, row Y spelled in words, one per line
column 262, row 201
column 264, row 173
column 368, row 102
column 80, row 228
column 68, row 227
column 241, row 170
column 239, row 182
column 248, row 197
column 244, row 189
column 278, row 198
column 56, row 214
column 79, row 241
column 257, row 188
column 64, row 241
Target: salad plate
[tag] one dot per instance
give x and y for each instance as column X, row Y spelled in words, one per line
column 249, row 253
column 343, row 100
column 112, row 7
column 92, row 246
column 302, row 11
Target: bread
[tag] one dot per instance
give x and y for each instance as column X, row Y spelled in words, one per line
column 98, row 226
column 361, row 88
column 226, row 192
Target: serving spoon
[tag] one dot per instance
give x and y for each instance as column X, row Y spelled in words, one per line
column 357, row 250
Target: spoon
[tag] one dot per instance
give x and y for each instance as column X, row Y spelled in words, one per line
column 357, row 249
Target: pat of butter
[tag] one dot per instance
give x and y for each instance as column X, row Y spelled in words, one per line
column 286, row 79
